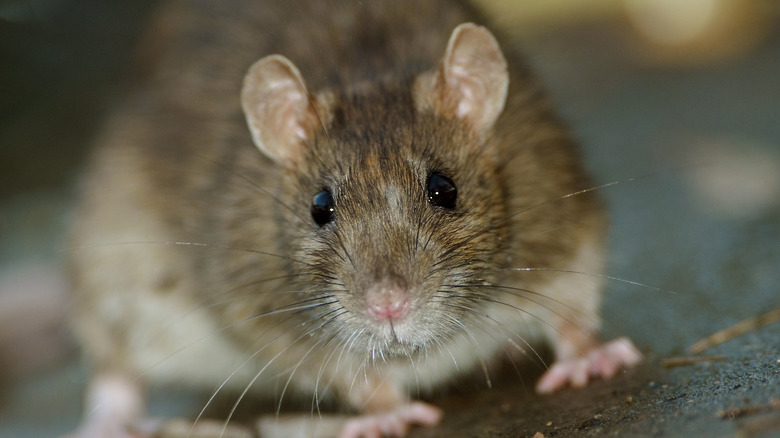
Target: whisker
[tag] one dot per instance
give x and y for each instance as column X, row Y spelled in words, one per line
column 503, row 326
column 326, row 322
column 596, row 275
column 187, row 243
column 243, row 364
column 344, row 249
column 362, row 366
column 442, row 346
column 447, row 254
column 472, row 341
column 523, row 351
column 269, row 363
column 290, row 308
column 315, row 395
column 514, row 292
column 231, row 169
column 294, row 369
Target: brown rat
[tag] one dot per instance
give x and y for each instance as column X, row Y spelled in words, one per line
column 346, row 201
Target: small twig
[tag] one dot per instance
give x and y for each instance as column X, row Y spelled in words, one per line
column 735, row 330
column 672, row 362
column 732, row 413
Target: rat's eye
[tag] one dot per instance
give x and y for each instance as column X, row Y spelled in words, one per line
column 442, row 191
column 322, row 208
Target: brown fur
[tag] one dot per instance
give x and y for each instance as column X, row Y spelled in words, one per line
column 177, row 164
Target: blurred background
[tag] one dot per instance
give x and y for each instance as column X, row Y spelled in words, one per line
column 678, row 101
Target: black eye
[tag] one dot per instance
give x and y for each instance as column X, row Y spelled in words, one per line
column 322, row 208
column 442, row 191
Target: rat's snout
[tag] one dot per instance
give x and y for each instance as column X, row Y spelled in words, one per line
column 387, row 300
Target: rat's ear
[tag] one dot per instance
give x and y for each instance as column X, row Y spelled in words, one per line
column 471, row 81
column 278, row 109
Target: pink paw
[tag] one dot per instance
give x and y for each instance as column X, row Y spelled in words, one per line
column 603, row 362
column 392, row 423
column 106, row 429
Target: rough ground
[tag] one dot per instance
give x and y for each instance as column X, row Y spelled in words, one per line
column 697, row 214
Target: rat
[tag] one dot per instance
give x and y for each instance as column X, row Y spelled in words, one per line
column 346, row 202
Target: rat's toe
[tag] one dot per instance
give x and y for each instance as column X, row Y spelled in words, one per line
column 601, row 362
column 392, row 423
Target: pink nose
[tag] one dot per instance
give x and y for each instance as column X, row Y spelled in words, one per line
column 387, row 301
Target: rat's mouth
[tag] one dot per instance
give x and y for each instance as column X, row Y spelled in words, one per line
column 397, row 338
column 393, row 349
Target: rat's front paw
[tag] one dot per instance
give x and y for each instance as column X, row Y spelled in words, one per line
column 601, row 362
column 105, row 428
column 204, row 428
column 393, row 423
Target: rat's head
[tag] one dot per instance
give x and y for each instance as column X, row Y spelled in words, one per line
column 395, row 192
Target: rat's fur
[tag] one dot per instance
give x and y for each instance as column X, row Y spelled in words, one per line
column 198, row 261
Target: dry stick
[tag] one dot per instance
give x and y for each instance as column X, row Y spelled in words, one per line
column 673, row 362
column 732, row 413
column 735, row 330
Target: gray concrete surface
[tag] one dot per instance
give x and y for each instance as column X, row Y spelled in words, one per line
column 696, row 215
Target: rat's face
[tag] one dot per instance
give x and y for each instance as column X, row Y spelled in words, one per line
column 401, row 227
column 393, row 208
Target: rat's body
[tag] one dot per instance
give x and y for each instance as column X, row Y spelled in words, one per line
column 379, row 244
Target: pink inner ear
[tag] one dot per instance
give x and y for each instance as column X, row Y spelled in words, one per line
column 469, row 89
column 474, row 75
column 290, row 113
column 277, row 108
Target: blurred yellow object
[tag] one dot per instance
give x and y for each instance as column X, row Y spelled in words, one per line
column 669, row 31
column 698, row 31
column 524, row 17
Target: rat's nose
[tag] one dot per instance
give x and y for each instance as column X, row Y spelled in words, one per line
column 387, row 300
